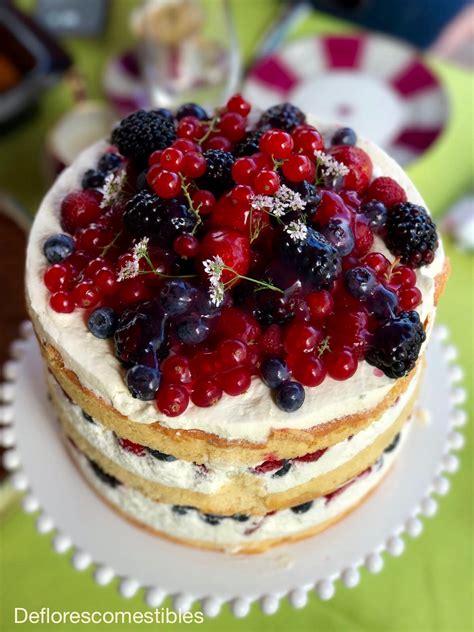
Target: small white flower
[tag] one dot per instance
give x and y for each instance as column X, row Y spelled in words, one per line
column 262, row 202
column 214, row 268
column 216, row 292
column 112, row 188
column 130, row 270
column 288, row 200
column 297, row 230
column 140, row 250
column 330, row 167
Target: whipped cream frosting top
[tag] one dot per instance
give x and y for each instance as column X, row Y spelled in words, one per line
column 251, row 416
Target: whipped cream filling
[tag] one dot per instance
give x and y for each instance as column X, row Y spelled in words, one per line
column 231, row 532
column 251, row 416
column 208, row 480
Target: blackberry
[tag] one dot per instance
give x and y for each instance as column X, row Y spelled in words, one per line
column 218, row 175
column 309, row 194
column 285, row 116
column 141, row 133
column 315, row 258
column 396, row 344
column 148, row 215
column 303, row 508
column 108, row 479
column 411, row 234
column 249, row 145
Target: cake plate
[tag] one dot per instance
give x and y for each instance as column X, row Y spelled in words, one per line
column 55, row 488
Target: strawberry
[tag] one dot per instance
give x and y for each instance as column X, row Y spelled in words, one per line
column 232, row 247
column 359, row 164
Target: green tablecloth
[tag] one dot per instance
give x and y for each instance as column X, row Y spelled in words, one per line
column 431, row 586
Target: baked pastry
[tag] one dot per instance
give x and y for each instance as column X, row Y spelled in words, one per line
column 233, row 311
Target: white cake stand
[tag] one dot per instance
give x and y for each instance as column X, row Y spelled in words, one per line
column 100, row 537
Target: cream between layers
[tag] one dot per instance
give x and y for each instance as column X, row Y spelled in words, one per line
column 253, row 415
column 187, row 475
column 232, row 534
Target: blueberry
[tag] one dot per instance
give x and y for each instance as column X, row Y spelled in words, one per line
column 286, row 467
column 344, row 136
column 143, row 382
column 274, row 372
column 382, row 303
column 303, row 508
column 289, row 396
column 109, row 162
column 102, row 322
column 176, row 297
column 88, row 417
column 166, row 114
column 376, row 212
column 192, row 330
column 192, row 109
column 340, row 235
column 395, row 441
column 58, row 247
column 360, row 282
column 161, row 456
column 181, row 510
column 108, row 479
column 240, row 517
column 211, row 519
column 93, row 179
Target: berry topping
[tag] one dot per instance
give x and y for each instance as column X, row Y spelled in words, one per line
column 143, row 382
column 58, row 247
column 142, row 133
column 218, row 175
column 192, row 330
column 102, row 322
column 289, row 396
column 249, row 145
column 109, row 162
column 360, row 282
column 140, row 336
column 284, row 116
column 396, row 344
column 232, row 247
column 301, row 509
column 358, row 163
column 387, row 191
column 340, row 235
column 176, row 297
column 93, row 179
column 172, row 400
column 376, row 212
column 411, row 235
column 191, row 109
column 133, row 448
column 147, row 215
column 274, row 372
column 344, row 136
column 79, row 209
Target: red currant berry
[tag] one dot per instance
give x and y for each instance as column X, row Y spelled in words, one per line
column 266, row 182
column 320, row 304
column 134, row 291
column 189, row 127
column 58, row 277
column 62, row 302
column 236, row 323
column 93, row 238
column 307, row 369
column 175, row 369
column 277, row 144
column 307, row 141
column 403, row 276
column 106, row 282
column 206, row 393
column 348, row 329
column 203, row 201
column 409, row 298
column 301, row 338
column 218, row 142
column 171, row 159
column 244, row 170
column 204, row 364
column 241, row 197
column 235, row 382
column 85, row 294
column 166, row 184
column 184, row 145
column 94, row 266
column 364, row 238
column 77, row 261
column 193, row 165
column 80, row 208
column 297, row 168
column 378, row 262
column 155, row 157
column 340, row 365
column 186, row 245
column 232, row 126
column 238, row 104
column 172, row 399
column 262, row 161
column 133, row 448
column 232, row 353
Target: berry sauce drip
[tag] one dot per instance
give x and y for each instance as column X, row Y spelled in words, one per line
column 212, row 252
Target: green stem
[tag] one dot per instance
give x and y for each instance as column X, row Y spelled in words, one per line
column 106, row 248
column 185, row 187
column 212, row 128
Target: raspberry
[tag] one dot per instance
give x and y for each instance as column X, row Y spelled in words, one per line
column 411, row 234
column 141, row 133
column 386, row 190
column 271, row 341
column 284, row 116
column 396, row 344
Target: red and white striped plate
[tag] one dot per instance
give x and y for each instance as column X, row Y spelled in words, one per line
column 375, row 84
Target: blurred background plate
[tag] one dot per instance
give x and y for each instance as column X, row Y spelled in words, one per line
column 373, row 83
